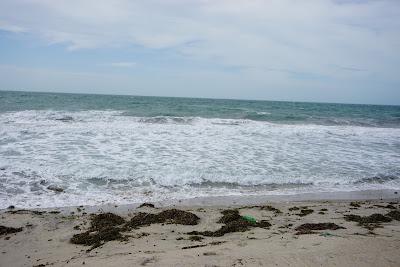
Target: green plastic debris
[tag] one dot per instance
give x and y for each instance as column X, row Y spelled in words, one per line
column 249, row 219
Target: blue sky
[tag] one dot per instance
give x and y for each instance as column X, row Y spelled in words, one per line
column 301, row 50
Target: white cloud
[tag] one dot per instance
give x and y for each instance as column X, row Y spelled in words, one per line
column 11, row 28
column 324, row 38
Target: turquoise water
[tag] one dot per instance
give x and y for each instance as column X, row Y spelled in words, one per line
column 271, row 111
column 124, row 149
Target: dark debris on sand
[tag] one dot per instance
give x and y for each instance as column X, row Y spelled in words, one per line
column 270, row 208
column 305, row 212
column 195, row 238
column 355, row 204
column 388, row 206
column 264, row 207
column 394, row 214
column 309, row 228
column 173, row 216
column 104, row 227
column 109, row 226
column 229, row 216
column 4, row 230
column 106, row 220
column 148, row 205
column 97, row 238
column 369, row 222
column 22, row 211
column 233, row 223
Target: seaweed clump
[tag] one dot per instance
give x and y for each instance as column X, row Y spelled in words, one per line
column 149, row 205
column 195, row 238
column 270, row 208
column 265, row 207
column 98, row 238
column 355, row 204
column 104, row 227
column 369, row 222
column 106, row 220
column 305, row 212
column 394, row 214
column 233, row 223
column 4, row 230
column 173, row 216
column 309, row 228
column 229, row 216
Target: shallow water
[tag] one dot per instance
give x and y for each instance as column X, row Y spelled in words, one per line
column 124, row 149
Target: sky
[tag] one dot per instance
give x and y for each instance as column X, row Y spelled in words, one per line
column 345, row 51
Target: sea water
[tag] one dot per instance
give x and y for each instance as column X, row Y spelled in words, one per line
column 129, row 149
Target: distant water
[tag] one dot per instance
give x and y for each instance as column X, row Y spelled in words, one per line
column 124, row 149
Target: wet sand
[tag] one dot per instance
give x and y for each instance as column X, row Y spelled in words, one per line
column 283, row 233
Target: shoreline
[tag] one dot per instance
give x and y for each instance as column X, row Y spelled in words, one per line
column 221, row 201
column 286, row 232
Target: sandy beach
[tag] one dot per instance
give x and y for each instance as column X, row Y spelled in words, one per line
column 285, row 233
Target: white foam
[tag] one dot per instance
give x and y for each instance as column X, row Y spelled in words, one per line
column 103, row 156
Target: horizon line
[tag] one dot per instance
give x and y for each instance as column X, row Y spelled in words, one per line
column 206, row 98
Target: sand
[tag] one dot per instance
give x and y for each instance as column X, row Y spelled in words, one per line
column 45, row 237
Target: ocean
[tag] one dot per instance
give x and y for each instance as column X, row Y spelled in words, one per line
column 129, row 149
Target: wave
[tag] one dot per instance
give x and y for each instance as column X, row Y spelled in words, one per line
column 62, row 116
column 378, row 179
column 166, row 120
column 259, row 186
column 65, row 119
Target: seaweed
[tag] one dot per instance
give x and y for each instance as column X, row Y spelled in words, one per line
column 374, row 218
column 294, row 208
column 55, row 212
column 143, row 219
column 270, row 208
column 195, row 238
column 22, row 211
column 106, row 220
column 355, row 204
column 305, row 212
column 174, row 216
column 233, row 223
column 369, row 222
column 104, row 227
column 95, row 239
column 178, row 217
column 195, row 246
column 394, row 214
column 149, row 205
column 264, row 207
column 4, row 230
column 389, row 206
column 229, row 216
column 308, row 228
